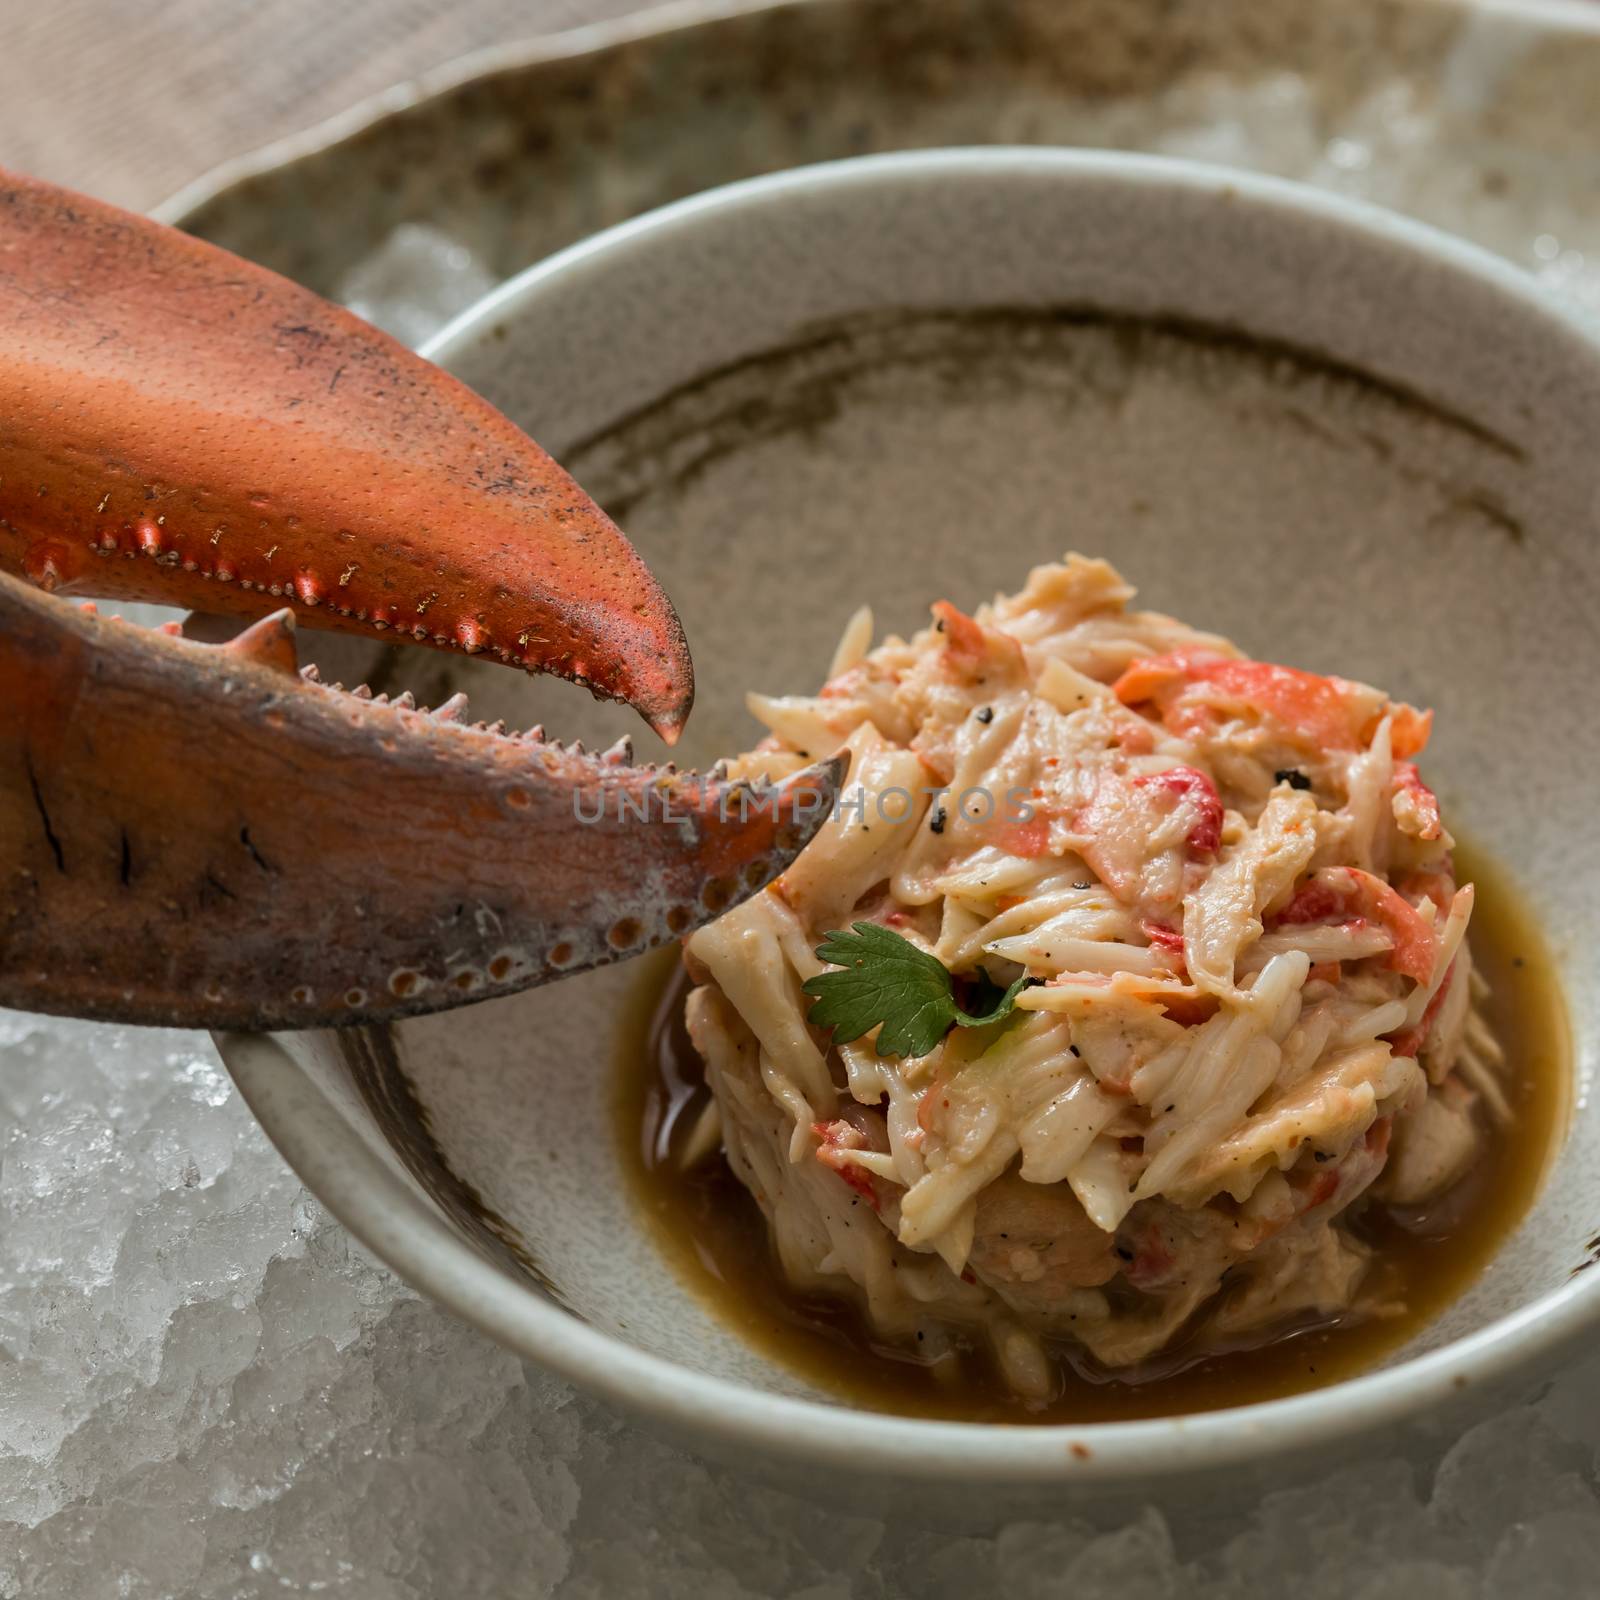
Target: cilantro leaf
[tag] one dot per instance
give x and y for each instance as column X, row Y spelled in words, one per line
column 885, row 979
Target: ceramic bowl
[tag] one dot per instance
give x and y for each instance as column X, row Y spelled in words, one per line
column 1340, row 438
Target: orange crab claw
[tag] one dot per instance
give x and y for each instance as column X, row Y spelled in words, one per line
column 179, row 425
column 202, row 835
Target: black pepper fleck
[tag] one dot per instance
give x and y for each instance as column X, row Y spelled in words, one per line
column 985, row 714
column 1293, row 777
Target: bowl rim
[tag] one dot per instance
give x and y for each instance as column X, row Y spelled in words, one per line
column 387, row 1216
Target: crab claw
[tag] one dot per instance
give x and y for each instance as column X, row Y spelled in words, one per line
column 179, row 425
column 200, row 835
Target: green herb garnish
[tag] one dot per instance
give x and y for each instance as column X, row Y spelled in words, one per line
column 886, row 979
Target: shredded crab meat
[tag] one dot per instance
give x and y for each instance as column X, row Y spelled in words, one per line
column 1254, row 999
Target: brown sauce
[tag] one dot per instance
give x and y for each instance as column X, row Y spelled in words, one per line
column 715, row 1237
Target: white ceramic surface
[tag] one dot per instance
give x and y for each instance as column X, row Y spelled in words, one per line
column 915, row 376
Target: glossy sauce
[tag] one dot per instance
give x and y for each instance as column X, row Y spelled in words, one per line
column 715, row 1236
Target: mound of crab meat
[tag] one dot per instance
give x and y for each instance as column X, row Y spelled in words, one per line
column 1250, row 1008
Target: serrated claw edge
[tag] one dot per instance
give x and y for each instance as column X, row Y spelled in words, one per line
column 391, row 861
column 124, row 344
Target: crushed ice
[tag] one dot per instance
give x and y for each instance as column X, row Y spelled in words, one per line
column 415, row 282
column 207, row 1390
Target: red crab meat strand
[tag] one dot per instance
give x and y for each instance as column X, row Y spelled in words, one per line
column 1195, row 789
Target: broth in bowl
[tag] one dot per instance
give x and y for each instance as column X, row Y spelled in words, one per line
column 1169, row 1081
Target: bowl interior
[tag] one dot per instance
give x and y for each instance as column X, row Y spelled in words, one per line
column 1346, row 444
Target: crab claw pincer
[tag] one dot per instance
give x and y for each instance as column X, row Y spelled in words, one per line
column 179, row 425
column 201, row 835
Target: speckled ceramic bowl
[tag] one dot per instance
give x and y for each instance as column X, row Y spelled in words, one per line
column 915, row 376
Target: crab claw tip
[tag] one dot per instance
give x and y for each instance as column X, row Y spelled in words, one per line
column 669, row 728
